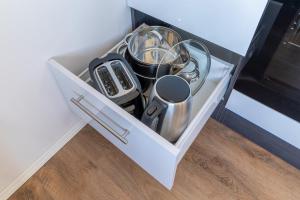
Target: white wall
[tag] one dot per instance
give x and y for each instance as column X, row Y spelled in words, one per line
column 33, row 114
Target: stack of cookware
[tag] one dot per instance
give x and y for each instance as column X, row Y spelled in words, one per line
column 154, row 76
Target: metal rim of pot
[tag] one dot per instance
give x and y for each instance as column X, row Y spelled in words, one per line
column 134, row 34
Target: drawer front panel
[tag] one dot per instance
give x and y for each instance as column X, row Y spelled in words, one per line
column 152, row 157
column 141, row 144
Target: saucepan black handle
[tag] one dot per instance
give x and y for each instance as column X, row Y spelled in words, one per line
column 154, row 111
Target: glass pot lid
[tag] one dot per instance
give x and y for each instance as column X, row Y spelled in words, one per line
column 188, row 59
column 148, row 45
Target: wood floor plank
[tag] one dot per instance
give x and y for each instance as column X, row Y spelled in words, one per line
column 219, row 165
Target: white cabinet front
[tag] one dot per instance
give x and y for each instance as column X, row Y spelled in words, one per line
column 228, row 23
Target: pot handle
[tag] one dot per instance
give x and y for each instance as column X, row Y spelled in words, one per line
column 124, row 43
column 152, row 114
column 196, row 69
column 193, row 75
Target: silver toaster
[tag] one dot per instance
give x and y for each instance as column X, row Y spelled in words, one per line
column 114, row 77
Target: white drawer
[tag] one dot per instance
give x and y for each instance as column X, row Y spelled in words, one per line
column 148, row 149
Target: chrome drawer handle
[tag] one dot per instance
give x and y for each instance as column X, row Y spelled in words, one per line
column 121, row 137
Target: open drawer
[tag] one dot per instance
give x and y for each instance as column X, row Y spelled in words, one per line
column 147, row 148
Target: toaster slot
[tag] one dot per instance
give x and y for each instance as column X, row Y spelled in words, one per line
column 121, row 75
column 107, row 81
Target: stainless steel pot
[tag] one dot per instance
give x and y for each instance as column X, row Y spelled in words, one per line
column 148, row 45
column 169, row 108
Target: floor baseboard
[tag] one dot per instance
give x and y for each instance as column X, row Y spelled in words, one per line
column 20, row 180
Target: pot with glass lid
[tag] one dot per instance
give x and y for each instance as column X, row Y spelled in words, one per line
column 146, row 48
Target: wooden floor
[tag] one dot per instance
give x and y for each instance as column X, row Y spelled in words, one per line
column 219, row 165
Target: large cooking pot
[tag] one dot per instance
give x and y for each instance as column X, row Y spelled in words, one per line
column 147, row 46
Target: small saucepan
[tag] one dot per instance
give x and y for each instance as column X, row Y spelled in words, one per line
column 189, row 59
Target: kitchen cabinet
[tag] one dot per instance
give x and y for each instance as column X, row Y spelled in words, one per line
column 228, row 23
column 153, row 153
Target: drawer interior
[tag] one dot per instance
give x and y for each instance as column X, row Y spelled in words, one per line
column 77, row 63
